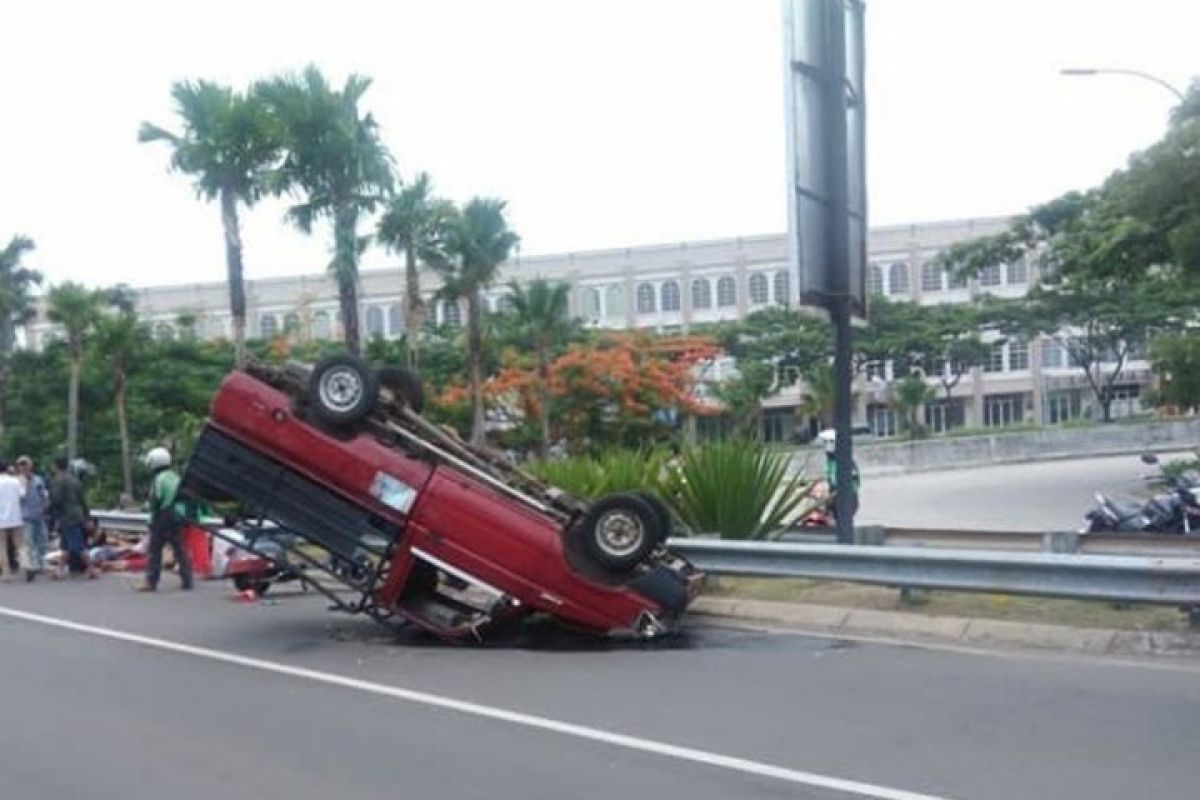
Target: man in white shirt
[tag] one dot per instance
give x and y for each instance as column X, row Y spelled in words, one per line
column 12, row 523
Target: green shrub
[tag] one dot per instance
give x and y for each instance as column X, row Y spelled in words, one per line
column 590, row 477
column 737, row 489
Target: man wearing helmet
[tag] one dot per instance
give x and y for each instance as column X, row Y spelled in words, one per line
column 167, row 515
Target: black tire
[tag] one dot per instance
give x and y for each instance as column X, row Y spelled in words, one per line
column 243, row 581
column 405, row 385
column 666, row 523
column 619, row 531
column 342, row 390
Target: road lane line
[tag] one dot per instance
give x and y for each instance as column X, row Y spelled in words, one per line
column 636, row 743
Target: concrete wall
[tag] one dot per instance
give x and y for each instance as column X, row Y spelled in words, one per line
column 886, row 458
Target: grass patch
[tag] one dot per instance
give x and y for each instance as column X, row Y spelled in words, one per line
column 1077, row 613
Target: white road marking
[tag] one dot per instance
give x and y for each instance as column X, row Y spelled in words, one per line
column 664, row 749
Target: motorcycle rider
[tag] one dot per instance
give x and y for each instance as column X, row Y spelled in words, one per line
column 829, row 437
column 167, row 517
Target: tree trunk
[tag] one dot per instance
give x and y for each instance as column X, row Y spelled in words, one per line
column 413, row 306
column 544, row 397
column 123, row 430
column 76, row 357
column 235, row 272
column 7, row 336
column 345, row 267
column 475, row 366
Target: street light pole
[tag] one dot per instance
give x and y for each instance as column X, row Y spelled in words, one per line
column 1089, row 71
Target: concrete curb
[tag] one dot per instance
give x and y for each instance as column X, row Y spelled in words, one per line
column 960, row 630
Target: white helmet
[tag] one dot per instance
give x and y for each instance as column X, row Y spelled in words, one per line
column 158, row 458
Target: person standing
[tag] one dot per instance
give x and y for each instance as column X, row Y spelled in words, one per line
column 69, row 507
column 34, row 503
column 11, row 523
column 167, row 516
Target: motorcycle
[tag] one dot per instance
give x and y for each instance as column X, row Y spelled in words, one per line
column 1174, row 511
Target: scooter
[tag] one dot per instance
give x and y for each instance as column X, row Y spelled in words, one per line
column 1176, row 511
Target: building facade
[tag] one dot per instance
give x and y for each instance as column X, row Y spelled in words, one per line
column 672, row 287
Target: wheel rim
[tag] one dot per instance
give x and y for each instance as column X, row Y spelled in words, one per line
column 340, row 389
column 620, row 533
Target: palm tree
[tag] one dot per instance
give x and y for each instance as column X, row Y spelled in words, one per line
column 76, row 308
column 120, row 338
column 911, row 393
column 541, row 310
column 16, row 307
column 415, row 224
column 228, row 145
column 819, row 394
column 478, row 241
column 336, row 159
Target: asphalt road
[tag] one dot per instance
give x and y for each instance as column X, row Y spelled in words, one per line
column 1050, row 496
column 84, row 715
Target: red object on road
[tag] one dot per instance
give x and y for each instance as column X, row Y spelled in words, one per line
column 421, row 525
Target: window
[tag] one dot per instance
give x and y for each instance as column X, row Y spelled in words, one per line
column 701, row 293
column 955, row 280
column 990, row 276
column 995, row 359
column 395, row 319
column 591, row 303
column 874, row 279
column 291, row 322
column 931, row 277
column 669, row 296
column 163, row 331
column 758, row 289
column 942, row 415
column 374, row 321
column 1018, row 355
column 726, row 292
column 1063, row 406
column 882, row 420
column 783, row 288
column 504, row 305
column 874, row 371
column 614, row 301
column 268, row 326
column 1136, row 351
column 1003, row 409
column 898, row 278
column 645, row 299
column 1017, row 273
column 451, row 313
column 320, row 325
column 1053, row 355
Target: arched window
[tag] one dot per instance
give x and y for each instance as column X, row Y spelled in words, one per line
column 898, row 278
column 701, row 293
column 268, row 326
column 614, row 301
column 669, row 293
column 291, row 322
column 783, row 287
column 874, row 279
column 451, row 313
column 726, row 292
column 164, row 332
column 758, row 289
column 591, row 303
column 645, row 299
column 395, row 319
column 320, row 325
column 374, row 321
column 931, row 277
column 504, row 304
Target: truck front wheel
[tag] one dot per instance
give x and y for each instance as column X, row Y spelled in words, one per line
column 619, row 531
column 342, row 390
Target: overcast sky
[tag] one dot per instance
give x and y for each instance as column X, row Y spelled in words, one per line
column 604, row 124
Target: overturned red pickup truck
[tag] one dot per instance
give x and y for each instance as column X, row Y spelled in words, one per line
column 349, row 481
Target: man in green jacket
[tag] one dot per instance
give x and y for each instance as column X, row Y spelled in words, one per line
column 167, row 516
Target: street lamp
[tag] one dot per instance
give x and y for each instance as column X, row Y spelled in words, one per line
column 1087, row 71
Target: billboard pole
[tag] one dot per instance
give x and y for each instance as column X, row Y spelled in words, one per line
column 827, row 195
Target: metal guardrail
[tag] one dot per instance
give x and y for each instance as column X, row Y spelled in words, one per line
column 1136, row 568
column 1135, row 579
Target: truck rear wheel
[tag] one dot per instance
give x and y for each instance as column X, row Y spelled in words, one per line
column 342, row 390
column 404, row 385
column 619, row 531
column 665, row 521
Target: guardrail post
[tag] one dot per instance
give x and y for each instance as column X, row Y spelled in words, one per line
column 1061, row 542
column 871, row 535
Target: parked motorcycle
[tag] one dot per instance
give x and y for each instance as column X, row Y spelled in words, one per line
column 1174, row 511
